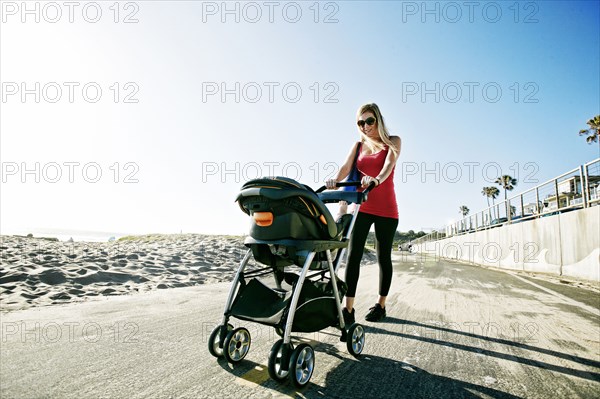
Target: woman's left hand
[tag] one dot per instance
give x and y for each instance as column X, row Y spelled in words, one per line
column 366, row 180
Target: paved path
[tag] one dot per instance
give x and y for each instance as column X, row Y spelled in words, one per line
column 452, row 331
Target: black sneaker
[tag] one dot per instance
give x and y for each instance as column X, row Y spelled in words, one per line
column 376, row 313
column 348, row 317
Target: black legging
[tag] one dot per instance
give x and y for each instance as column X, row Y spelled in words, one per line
column 385, row 229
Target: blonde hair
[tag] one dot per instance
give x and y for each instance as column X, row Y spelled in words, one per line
column 384, row 134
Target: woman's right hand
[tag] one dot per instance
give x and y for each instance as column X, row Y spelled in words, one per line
column 330, row 183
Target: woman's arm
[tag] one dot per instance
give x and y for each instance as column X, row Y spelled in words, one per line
column 390, row 160
column 345, row 169
column 347, row 166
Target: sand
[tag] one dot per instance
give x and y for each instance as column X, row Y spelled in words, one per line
column 42, row 272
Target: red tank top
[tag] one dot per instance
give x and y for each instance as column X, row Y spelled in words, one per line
column 382, row 199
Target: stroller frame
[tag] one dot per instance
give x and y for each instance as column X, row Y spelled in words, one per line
column 284, row 360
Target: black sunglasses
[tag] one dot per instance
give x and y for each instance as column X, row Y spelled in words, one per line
column 369, row 121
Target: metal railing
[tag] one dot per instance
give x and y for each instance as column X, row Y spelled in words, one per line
column 575, row 189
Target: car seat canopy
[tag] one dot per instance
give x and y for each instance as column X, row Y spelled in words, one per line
column 282, row 208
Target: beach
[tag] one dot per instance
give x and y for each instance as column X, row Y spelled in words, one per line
column 44, row 271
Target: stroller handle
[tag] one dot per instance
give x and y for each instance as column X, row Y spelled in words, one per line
column 348, row 184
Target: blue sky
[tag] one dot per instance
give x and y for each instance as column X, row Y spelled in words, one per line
column 513, row 89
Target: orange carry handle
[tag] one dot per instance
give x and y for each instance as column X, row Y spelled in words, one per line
column 263, row 219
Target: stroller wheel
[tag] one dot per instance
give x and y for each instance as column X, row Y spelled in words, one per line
column 213, row 341
column 275, row 371
column 302, row 365
column 236, row 345
column 355, row 341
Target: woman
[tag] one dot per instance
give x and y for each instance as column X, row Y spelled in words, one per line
column 376, row 161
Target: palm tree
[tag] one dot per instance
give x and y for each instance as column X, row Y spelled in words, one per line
column 491, row 192
column 593, row 132
column 486, row 192
column 508, row 183
column 464, row 211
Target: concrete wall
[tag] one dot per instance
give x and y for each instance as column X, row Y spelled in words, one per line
column 567, row 244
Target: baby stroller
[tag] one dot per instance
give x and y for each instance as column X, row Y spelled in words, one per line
column 290, row 226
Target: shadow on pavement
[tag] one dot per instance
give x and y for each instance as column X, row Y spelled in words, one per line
column 366, row 377
column 566, row 356
column 499, row 355
column 374, row 376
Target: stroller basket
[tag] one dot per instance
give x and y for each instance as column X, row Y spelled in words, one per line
column 316, row 306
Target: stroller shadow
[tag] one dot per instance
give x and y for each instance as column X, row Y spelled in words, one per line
column 368, row 376
column 375, row 376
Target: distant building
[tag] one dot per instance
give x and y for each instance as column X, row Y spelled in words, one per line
column 570, row 193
